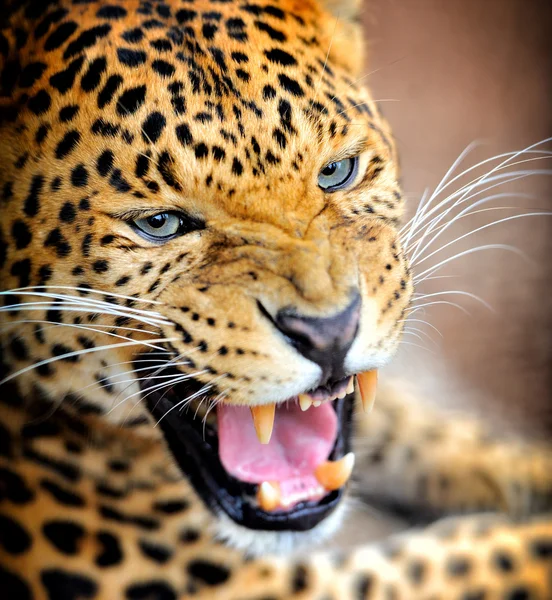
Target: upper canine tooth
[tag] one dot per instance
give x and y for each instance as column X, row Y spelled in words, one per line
column 350, row 386
column 333, row 475
column 263, row 419
column 268, row 495
column 367, row 383
column 304, row 402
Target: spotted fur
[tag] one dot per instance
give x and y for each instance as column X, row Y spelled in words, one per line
column 224, row 111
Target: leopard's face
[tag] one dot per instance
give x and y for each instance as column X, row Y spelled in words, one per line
column 224, row 196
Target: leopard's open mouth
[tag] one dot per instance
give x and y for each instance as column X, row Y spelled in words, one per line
column 291, row 483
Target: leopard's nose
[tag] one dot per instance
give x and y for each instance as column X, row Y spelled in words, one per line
column 323, row 340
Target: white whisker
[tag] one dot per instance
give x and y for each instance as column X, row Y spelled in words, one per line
column 90, row 302
column 504, row 164
column 456, row 293
column 470, row 251
column 416, row 333
column 187, row 400
column 468, row 212
column 436, row 302
column 175, row 360
column 500, row 179
column 417, row 247
column 85, row 290
column 364, row 102
column 151, row 389
column 460, row 196
column 80, row 353
column 497, row 222
column 96, row 328
column 72, row 307
column 409, row 320
column 133, row 380
column 420, row 210
column 405, row 343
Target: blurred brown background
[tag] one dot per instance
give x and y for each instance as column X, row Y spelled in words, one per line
column 450, row 72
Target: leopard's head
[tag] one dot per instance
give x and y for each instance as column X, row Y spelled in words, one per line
column 201, row 202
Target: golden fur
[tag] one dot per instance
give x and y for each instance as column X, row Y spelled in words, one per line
column 228, row 119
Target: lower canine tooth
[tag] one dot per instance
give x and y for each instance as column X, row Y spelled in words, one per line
column 351, row 386
column 304, row 402
column 367, row 383
column 333, row 475
column 263, row 419
column 268, row 495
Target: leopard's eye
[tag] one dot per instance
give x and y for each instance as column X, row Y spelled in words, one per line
column 338, row 175
column 160, row 227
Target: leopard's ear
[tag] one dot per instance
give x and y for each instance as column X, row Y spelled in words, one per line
column 344, row 33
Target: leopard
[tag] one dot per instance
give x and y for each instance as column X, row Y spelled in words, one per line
column 202, row 271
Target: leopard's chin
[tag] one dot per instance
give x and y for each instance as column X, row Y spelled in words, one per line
column 195, row 445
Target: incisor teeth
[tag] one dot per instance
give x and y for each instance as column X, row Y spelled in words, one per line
column 351, row 386
column 367, row 384
column 333, row 475
column 304, row 402
column 268, row 495
column 317, row 403
column 263, row 419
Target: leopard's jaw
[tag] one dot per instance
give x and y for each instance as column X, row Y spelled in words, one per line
column 286, row 543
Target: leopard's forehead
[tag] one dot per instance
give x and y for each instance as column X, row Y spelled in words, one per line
column 217, row 99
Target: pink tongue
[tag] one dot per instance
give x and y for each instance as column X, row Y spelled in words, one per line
column 300, row 442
